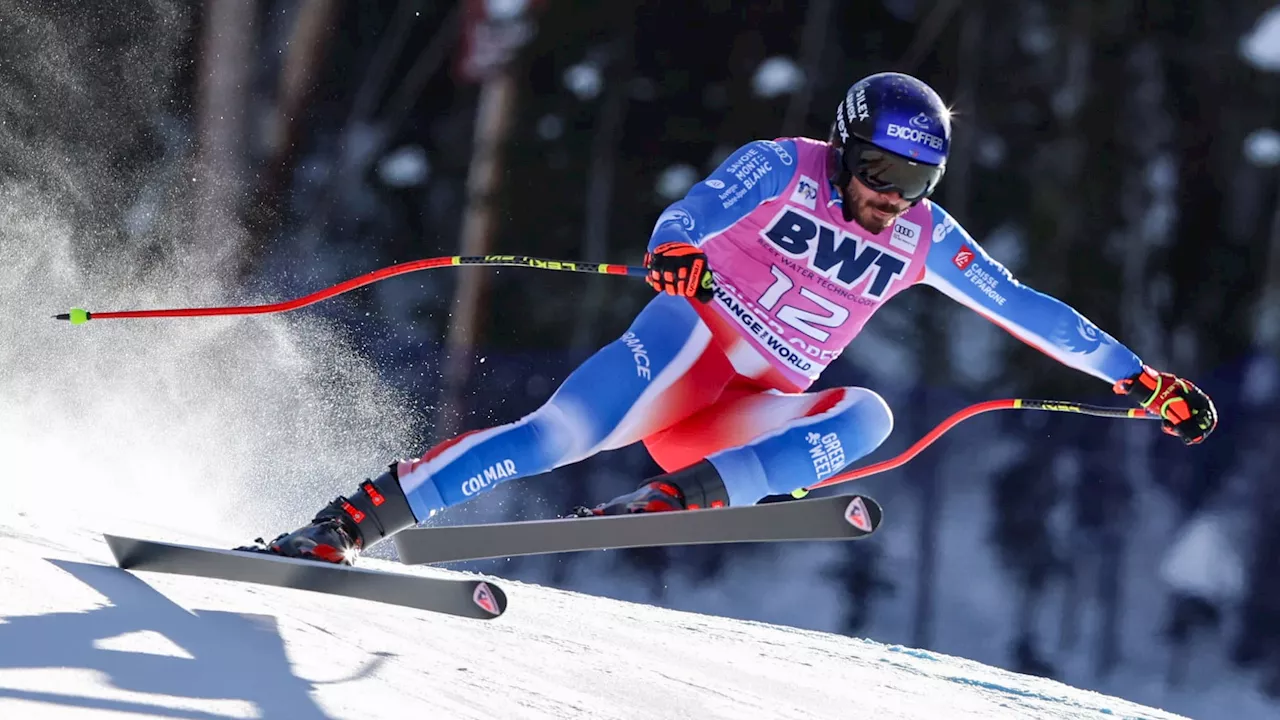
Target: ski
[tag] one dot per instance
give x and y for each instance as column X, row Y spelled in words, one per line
column 476, row 599
column 839, row 517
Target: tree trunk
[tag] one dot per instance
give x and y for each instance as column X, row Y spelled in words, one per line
column 927, row 531
column 305, row 53
column 493, row 124
column 601, row 179
column 934, row 341
column 227, row 52
column 813, row 40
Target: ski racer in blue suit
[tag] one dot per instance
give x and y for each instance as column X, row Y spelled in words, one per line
column 766, row 271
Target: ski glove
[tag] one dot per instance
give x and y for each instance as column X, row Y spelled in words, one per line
column 678, row 268
column 1188, row 413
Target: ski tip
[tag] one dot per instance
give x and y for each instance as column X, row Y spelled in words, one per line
column 864, row 513
column 489, row 598
column 121, row 550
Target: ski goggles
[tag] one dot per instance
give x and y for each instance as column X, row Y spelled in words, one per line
column 884, row 171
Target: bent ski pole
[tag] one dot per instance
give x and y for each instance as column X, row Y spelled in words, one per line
column 966, row 413
column 78, row 316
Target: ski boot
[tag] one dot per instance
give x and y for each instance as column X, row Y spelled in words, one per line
column 347, row 526
column 691, row 488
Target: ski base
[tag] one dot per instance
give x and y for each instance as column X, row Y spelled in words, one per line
column 476, row 599
column 839, row 517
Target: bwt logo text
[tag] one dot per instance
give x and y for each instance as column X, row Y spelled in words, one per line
column 847, row 259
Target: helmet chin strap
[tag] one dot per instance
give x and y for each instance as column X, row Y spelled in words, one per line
column 840, row 176
column 846, row 207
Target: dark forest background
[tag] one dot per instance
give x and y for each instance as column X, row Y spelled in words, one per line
column 1119, row 154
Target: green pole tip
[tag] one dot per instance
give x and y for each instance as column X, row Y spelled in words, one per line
column 78, row 316
column 799, row 493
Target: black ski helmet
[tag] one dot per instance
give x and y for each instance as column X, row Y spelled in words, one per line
column 892, row 132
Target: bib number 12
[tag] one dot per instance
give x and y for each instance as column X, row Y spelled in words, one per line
column 805, row 321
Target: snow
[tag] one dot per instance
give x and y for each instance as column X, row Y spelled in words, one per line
column 675, row 181
column 550, row 127
column 505, row 9
column 584, row 80
column 992, row 150
column 1262, row 147
column 1203, row 562
column 777, row 76
column 406, row 166
column 1262, row 380
column 83, row 639
column 1261, row 47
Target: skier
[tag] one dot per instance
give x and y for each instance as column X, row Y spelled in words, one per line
column 807, row 239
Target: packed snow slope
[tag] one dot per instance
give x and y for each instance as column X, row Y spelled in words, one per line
column 80, row 638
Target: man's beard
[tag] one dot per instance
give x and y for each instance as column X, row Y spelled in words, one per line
column 873, row 222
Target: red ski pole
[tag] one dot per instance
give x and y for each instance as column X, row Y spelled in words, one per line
column 78, row 316
column 966, row 413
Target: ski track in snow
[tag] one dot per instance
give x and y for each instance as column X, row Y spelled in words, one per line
column 80, row 638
